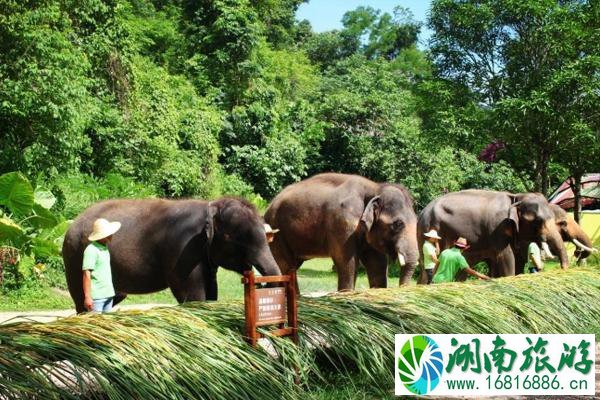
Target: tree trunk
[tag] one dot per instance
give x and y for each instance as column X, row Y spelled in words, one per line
column 543, row 181
column 575, row 184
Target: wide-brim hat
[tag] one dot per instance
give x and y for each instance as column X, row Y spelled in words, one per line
column 461, row 243
column 103, row 228
column 268, row 229
column 432, row 234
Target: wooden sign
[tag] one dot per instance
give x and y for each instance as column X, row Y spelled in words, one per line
column 270, row 306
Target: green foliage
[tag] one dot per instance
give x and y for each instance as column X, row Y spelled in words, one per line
column 122, row 98
column 512, row 56
column 76, row 192
column 222, row 36
column 43, row 89
column 16, row 193
column 273, row 134
column 172, row 140
column 29, row 231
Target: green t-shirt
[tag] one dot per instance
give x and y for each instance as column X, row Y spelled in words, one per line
column 533, row 250
column 429, row 251
column 451, row 261
column 96, row 259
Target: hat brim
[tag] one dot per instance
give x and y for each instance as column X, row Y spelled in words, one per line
column 432, row 236
column 462, row 246
column 112, row 228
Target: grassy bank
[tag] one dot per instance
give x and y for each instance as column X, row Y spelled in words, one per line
column 197, row 351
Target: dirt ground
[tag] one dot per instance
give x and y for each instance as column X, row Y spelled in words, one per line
column 49, row 316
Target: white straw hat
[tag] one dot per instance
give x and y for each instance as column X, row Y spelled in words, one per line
column 432, row 234
column 268, row 229
column 103, row 228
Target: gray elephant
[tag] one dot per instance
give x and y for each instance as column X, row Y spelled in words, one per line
column 348, row 218
column 570, row 231
column 497, row 225
column 171, row 243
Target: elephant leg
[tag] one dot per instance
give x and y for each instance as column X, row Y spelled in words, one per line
column 520, row 259
column 422, row 275
column 119, row 297
column 190, row 288
column 211, row 285
column 347, row 267
column 283, row 256
column 376, row 265
column 505, row 263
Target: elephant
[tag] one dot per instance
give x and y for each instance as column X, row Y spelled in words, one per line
column 348, row 218
column 177, row 244
column 570, row 231
column 497, row 225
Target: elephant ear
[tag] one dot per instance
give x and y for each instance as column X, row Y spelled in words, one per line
column 513, row 215
column 371, row 212
column 210, row 222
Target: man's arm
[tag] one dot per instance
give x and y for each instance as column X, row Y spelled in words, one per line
column 89, row 262
column 476, row 274
column 87, row 290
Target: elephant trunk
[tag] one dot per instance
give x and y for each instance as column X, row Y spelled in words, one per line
column 556, row 244
column 408, row 257
column 265, row 263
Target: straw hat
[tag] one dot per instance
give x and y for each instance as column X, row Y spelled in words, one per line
column 461, row 243
column 432, row 234
column 270, row 230
column 103, row 228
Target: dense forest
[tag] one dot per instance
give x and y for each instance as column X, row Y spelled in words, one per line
column 201, row 98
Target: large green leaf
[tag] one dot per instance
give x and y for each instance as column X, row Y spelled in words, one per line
column 56, row 232
column 11, row 232
column 44, row 248
column 44, row 198
column 42, row 217
column 16, row 193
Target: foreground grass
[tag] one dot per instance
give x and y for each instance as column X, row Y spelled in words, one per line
column 346, row 350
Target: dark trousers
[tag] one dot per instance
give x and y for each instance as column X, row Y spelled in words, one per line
column 429, row 273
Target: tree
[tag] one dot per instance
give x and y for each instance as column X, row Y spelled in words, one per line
column 382, row 35
column 505, row 52
column 44, row 100
column 222, row 37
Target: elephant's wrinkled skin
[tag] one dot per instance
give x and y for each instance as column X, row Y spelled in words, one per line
column 570, row 231
column 498, row 225
column 171, row 243
column 348, row 218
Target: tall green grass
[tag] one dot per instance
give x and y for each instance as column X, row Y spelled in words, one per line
column 197, row 350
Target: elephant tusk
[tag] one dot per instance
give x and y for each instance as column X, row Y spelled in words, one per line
column 583, row 246
column 547, row 250
column 401, row 260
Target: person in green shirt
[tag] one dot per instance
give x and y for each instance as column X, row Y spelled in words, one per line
column 452, row 261
column 534, row 259
column 98, row 289
column 430, row 253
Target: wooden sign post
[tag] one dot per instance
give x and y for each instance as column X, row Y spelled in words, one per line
column 270, row 306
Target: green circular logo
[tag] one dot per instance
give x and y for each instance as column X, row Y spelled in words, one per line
column 420, row 364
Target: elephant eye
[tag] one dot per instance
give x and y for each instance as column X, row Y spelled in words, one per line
column 397, row 226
